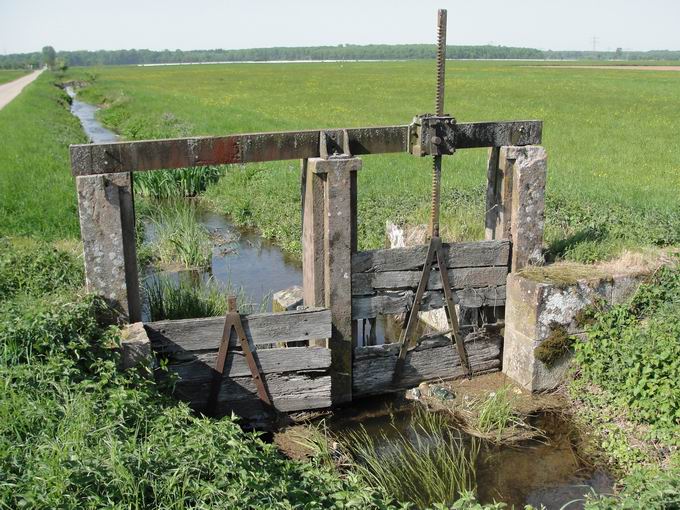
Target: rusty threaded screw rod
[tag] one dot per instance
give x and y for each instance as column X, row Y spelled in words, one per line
column 439, row 110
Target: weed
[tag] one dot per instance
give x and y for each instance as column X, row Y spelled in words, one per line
column 179, row 237
column 186, row 298
column 184, row 182
column 431, row 466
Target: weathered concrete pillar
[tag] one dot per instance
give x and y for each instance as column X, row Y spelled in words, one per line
column 107, row 227
column 541, row 319
column 339, row 244
column 515, row 201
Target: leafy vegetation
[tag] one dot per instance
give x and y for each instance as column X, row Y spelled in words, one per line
column 629, row 392
column 606, row 196
column 633, row 355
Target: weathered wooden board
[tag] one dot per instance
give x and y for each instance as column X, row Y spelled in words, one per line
column 266, row 328
column 473, row 254
column 296, row 378
column 433, row 359
column 90, row 159
column 367, row 307
column 369, row 283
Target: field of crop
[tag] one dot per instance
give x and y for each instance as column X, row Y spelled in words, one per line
column 610, row 135
column 10, row 74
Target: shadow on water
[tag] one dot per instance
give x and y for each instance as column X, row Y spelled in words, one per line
column 551, row 471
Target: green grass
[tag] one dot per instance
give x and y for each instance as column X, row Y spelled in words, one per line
column 37, row 191
column 187, row 299
column 77, row 433
column 10, row 75
column 187, row 182
column 610, row 135
column 179, row 237
column 431, row 465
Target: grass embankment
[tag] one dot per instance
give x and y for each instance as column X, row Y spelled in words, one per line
column 37, row 190
column 7, row 75
column 628, row 391
column 613, row 174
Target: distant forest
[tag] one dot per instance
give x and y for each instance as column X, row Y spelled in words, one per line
column 341, row 52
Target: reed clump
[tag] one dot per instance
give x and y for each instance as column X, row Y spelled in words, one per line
column 189, row 298
column 430, row 465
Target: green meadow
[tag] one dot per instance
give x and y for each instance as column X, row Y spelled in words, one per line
column 10, row 74
column 610, row 135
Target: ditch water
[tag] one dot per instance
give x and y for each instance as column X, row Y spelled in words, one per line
column 549, row 472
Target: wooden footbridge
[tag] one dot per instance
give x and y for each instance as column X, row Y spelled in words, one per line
column 341, row 285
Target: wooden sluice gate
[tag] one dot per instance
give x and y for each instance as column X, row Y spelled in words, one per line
column 341, row 286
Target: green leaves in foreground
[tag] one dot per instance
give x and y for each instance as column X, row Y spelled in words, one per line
column 633, row 354
column 77, row 433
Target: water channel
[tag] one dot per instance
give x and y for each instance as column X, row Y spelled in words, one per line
column 549, row 472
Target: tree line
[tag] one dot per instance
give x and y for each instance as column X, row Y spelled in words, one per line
column 340, row 52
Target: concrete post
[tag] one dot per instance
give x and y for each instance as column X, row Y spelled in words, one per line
column 107, row 227
column 516, row 201
column 339, row 244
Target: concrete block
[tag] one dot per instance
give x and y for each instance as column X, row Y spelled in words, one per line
column 135, row 346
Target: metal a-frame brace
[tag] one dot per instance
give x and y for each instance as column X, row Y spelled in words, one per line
column 233, row 323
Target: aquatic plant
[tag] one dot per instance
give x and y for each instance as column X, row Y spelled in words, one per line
column 495, row 414
column 432, row 465
column 179, row 237
column 185, row 299
column 183, row 182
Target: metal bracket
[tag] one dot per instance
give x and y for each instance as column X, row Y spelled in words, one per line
column 233, row 322
column 334, row 144
column 432, row 135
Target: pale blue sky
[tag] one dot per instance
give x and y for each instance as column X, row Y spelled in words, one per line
column 27, row 25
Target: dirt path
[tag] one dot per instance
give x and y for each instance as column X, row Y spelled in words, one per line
column 9, row 91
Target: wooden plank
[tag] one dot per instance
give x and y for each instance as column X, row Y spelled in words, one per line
column 197, row 366
column 90, row 159
column 202, row 334
column 290, row 392
column 313, row 237
column 433, row 359
column 472, row 254
column 367, row 307
column 460, row 278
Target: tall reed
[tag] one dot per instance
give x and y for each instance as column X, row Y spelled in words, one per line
column 183, row 182
column 183, row 298
column 179, row 237
column 431, row 465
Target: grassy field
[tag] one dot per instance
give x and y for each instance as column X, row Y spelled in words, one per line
column 10, row 74
column 77, row 433
column 37, row 191
column 610, row 135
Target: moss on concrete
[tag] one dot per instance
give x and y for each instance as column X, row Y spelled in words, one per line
column 555, row 346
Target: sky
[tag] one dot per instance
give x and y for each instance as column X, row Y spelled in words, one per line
column 28, row 25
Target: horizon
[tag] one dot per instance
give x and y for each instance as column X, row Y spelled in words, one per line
column 241, row 24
